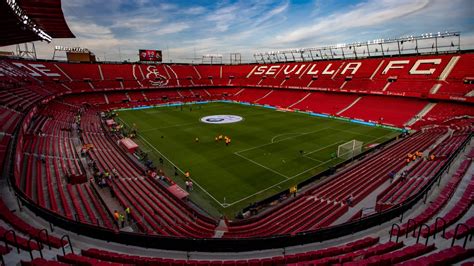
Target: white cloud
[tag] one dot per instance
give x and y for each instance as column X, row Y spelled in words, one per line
column 90, row 30
column 139, row 24
column 272, row 13
column 247, row 26
column 370, row 13
column 224, row 17
column 196, row 10
column 167, row 6
column 171, row 28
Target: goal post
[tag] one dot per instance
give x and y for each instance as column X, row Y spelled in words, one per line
column 349, row 149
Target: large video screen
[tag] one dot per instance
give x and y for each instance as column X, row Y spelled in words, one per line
column 150, row 55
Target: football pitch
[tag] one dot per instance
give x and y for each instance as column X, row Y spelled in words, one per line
column 270, row 150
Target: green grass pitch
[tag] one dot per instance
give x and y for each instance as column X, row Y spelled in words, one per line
column 270, row 150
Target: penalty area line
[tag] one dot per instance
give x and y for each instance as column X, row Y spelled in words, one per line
column 287, row 178
column 284, row 134
column 283, row 139
column 261, row 165
column 330, row 145
column 277, row 184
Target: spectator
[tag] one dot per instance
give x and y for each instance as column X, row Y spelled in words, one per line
column 391, row 176
column 403, row 176
column 96, row 177
column 350, row 199
column 116, row 217
column 149, row 163
column 115, row 173
column 102, row 183
column 161, row 175
column 121, row 220
column 127, row 212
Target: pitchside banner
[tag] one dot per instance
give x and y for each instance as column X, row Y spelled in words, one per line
column 150, row 55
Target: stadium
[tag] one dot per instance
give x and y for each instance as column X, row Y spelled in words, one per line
column 350, row 154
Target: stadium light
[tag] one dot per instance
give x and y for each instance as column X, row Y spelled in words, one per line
column 28, row 22
column 379, row 46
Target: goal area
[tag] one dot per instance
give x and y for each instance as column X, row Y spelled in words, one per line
column 349, row 149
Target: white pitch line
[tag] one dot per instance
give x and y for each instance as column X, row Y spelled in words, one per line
column 197, row 184
column 292, row 177
column 312, row 159
column 279, row 135
column 179, row 169
column 266, row 144
column 307, row 170
column 323, row 148
column 288, row 178
column 270, row 187
column 256, row 193
column 261, row 165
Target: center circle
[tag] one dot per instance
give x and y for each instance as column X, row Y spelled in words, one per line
column 221, row 119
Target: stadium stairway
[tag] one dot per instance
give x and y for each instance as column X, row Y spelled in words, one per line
column 349, row 106
column 421, row 114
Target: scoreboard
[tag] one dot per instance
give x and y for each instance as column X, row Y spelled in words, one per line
column 150, row 55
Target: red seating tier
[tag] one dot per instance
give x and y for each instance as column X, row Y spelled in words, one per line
column 326, row 103
column 443, row 111
column 283, row 98
column 438, row 203
column 80, row 72
column 385, row 110
column 250, row 95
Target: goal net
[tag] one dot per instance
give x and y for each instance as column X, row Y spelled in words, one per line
column 349, row 149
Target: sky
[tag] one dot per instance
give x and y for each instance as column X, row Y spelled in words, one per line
column 185, row 30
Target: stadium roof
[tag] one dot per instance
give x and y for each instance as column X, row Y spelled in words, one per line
column 44, row 20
